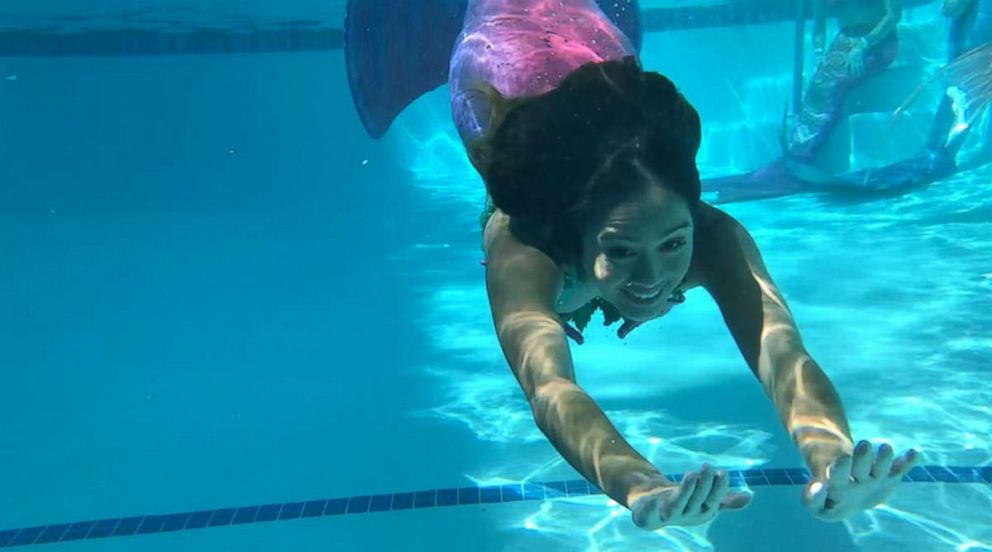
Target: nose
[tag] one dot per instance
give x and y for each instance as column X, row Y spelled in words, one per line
column 648, row 273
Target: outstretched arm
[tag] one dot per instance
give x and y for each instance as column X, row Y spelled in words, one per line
column 760, row 321
column 522, row 284
column 846, row 479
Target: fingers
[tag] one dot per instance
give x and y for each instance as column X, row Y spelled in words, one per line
column 686, row 490
column 735, row 501
column 815, row 496
column 904, row 463
column 883, row 464
column 839, row 471
column 864, row 458
column 703, row 487
column 721, row 483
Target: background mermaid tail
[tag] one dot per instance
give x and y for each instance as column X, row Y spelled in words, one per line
column 774, row 180
column 969, row 84
column 969, row 91
column 398, row 50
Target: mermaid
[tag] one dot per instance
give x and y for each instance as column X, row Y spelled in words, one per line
column 589, row 165
column 967, row 79
column 866, row 44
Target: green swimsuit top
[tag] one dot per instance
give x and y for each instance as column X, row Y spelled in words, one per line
column 580, row 317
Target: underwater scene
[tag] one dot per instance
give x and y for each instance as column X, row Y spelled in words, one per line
column 497, row 275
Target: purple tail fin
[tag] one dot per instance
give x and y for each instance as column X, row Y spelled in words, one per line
column 397, row 50
column 626, row 15
column 774, row 180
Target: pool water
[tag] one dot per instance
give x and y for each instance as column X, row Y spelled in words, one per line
column 216, row 292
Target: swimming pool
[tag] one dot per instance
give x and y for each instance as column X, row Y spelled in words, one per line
column 218, row 294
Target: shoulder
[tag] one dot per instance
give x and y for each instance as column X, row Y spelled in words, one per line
column 715, row 239
column 714, row 228
column 496, row 228
column 709, row 217
column 513, row 262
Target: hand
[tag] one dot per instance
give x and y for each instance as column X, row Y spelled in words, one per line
column 855, row 62
column 857, row 483
column 697, row 499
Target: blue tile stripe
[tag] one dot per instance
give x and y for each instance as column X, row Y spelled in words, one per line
column 316, row 35
column 464, row 496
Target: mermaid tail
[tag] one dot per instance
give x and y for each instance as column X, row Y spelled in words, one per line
column 788, row 177
column 397, row 50
column 900, row 177
column 774, row 180
column 969, row 84
column 969, row 93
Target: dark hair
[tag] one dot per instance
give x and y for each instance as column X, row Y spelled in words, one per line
column 557, row 161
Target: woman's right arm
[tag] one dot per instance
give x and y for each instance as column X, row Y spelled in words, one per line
column 522, row 283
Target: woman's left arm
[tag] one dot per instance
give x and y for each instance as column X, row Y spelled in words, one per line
column 730, row 267
column 732, row 270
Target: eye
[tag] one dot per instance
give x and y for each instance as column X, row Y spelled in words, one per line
column 619, row 252
column 674, row 244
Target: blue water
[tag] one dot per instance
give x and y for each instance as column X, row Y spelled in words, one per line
column 216, row 292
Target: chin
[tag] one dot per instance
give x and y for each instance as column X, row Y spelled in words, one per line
column 646, row 313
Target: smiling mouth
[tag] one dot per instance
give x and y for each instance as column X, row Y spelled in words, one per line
column 643, row 299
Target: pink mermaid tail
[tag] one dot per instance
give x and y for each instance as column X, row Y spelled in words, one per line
column 397, row 51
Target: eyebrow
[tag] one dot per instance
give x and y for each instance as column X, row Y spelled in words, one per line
column 613, row 234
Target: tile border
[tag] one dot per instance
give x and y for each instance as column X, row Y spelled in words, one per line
column 432, row 498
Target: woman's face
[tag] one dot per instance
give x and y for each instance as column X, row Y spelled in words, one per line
column 640, row 252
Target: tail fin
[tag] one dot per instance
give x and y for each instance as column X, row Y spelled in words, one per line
column 969, row 83
column 395, row 51
column 970, row 74
column 626, row 15
column 774, row 180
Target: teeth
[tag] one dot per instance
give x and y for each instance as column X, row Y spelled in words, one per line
column 646, row 297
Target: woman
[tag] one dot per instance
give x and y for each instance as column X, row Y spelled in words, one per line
column 967, row 79
column 969, row 72
column 866, row 44
column 590, row 166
